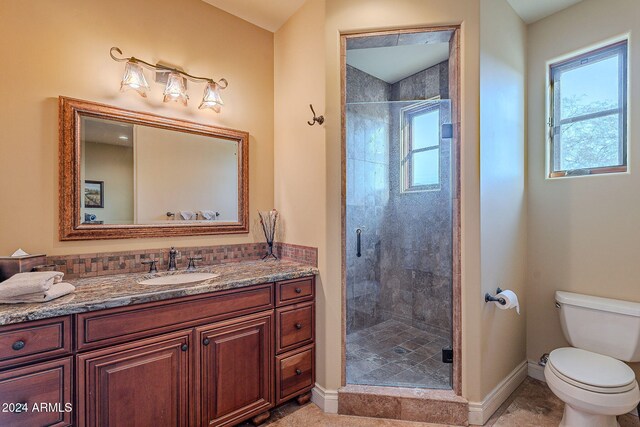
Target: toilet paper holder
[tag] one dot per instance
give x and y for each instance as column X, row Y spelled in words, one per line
column 499, row 300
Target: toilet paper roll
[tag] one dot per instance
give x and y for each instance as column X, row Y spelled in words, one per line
column 511, row 300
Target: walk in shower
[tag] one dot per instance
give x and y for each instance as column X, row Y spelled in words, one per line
column 399, row 239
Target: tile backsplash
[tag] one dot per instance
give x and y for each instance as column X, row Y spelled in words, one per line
column 303, row 254
column 105, row 263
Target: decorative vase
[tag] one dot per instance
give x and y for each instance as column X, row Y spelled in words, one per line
column 268, row 220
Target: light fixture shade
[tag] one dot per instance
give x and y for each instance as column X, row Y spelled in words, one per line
column 211, row 98
column 175, row 90
column 134, row 79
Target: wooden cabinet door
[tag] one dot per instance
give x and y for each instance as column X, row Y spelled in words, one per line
column 37, row 395
column 235, row 369
column 143, row 383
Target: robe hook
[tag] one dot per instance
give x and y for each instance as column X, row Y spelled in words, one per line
column 316, row 119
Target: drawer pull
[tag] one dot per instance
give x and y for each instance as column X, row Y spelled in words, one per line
column 298, row 372
column 184, row 347
column 18, row 345
column 298, row 325
column 298, row 290
column 206, row 341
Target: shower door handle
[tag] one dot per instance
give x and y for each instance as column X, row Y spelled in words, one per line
column 358, row 242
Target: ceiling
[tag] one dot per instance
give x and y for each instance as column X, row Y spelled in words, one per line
column 271, row 14
column 267, row 14
column 534, row 10
column 107, row 132
column 394, row 63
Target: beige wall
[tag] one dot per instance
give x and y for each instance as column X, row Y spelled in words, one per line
column 112, row 164
column 299, row 149
column 299, row 161
column 583, row 232
column 184, row 172
column 62, row 48
column 502, row 185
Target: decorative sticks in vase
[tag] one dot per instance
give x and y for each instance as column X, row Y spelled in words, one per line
column 268, row 220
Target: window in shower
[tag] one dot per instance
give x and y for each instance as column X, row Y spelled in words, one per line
column 421, row 147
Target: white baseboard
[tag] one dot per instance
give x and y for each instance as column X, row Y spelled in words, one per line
column 480, row 412
column 327, row 400
column 535, row 371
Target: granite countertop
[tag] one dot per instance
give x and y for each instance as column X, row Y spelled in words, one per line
column 98, row 293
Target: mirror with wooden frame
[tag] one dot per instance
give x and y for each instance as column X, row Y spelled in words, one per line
column 127, row 174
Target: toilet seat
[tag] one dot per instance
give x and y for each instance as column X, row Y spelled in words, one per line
column 591, row 371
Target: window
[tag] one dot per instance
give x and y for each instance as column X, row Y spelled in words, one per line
column 588, row 123
column 421, row 147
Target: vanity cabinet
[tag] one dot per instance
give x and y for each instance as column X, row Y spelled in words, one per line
column 214, row 359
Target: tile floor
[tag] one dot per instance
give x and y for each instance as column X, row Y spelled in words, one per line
column 531, row 405
column 392, row 353
column 534, row 405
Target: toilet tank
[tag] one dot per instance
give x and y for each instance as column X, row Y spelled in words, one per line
column 601, row 325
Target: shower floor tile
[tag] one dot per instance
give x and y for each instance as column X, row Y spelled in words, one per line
column 398, row 355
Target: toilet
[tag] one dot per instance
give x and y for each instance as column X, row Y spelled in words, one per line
column 590, row 377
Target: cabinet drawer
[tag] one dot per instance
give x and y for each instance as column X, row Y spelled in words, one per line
column 294, row 291
column 295, row 373
column 294, row 326
column 27, row 342
column 48, row 384
column 126, row 323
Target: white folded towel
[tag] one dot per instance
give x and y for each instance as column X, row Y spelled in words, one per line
column 208, row 214
column 29, row 283
column 188, row 215
column 56, row 290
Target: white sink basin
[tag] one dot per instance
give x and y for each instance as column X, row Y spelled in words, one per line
column 179, row 279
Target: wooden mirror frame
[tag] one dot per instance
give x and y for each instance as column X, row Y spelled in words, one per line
column 70, row 188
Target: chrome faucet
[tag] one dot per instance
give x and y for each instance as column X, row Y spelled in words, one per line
column 172, row 259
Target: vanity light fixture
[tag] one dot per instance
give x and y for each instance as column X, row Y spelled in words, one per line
column 134, row 78
column 211, row 98
column 175, row 89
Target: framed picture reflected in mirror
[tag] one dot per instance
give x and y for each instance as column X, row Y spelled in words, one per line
column 93, row 194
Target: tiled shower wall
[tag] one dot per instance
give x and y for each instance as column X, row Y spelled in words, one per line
column 416, row 261
column 426, row 84
column 405, row 269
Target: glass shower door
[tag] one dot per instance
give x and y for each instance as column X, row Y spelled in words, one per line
column 399, row 243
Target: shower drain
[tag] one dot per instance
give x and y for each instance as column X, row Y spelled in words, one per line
column 400, row 350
